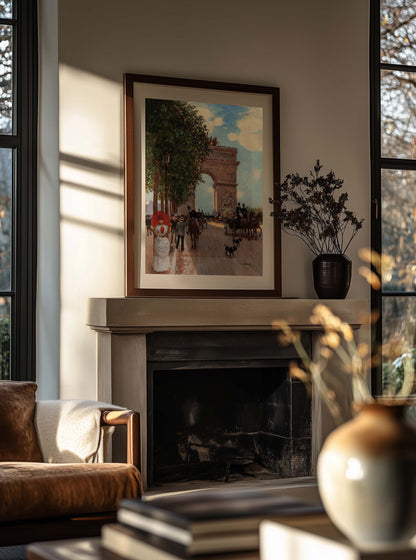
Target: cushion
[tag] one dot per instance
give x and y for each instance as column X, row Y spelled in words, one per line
column 18, row 439
column 40, row 490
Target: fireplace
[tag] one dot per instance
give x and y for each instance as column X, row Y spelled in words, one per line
column 194, row 365
column 223, row 404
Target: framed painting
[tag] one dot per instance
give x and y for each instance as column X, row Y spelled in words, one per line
column 201, row 162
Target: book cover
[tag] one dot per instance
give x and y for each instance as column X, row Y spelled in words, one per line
column 207, row 507
column 133, row 544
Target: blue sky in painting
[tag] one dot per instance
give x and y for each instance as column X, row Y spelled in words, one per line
column 239, row 127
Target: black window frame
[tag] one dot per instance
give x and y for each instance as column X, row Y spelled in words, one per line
column 23, row 141
column 378, row 163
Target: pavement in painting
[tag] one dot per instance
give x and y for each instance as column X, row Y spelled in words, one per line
column 210, row 257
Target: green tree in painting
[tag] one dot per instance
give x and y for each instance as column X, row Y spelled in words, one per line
column 173, row 128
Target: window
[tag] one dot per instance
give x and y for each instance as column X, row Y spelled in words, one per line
column 18, row 164
column 393, row 97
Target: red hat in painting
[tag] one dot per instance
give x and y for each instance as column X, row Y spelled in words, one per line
column 160, row 216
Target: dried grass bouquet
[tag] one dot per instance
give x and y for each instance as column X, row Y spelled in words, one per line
column 338, row 340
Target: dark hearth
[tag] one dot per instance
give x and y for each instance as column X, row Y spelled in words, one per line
column 232, row 411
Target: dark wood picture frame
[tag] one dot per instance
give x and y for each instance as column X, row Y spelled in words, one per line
column 264, row 101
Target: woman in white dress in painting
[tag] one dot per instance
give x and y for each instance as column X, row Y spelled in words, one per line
column 161, row 247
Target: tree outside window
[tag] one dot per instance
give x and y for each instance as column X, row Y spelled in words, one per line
column 396, row 178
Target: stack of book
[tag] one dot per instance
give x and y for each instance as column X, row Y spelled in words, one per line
column 201, row 522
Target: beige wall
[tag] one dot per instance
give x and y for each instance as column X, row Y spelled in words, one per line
column 316, row 52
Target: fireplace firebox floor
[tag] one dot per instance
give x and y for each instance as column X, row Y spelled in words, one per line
column 304, row 487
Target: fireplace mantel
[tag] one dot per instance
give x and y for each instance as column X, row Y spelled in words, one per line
column 143, row 315
column 123, row 323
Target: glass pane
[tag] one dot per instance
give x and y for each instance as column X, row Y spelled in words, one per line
column 398, row 31
column 398, row 114
column 6, row 182
column 398, row 229
column 4, row 338
column 399, row 341
column 6, row 63
column 6, row 8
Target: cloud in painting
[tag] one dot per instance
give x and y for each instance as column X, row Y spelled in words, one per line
column 256, row 173
column 210, row 119
column 250, row 127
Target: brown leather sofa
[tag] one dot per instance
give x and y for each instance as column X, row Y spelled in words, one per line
column 48, row 489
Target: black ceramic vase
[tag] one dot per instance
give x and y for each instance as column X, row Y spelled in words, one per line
column 331, row 276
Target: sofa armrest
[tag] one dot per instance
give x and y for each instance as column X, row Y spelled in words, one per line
column 130, row 419
column 72, row 431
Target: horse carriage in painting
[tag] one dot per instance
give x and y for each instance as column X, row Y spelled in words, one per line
column 248, row 227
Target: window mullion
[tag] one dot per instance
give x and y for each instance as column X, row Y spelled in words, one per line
column 393, row 163
column 9, row 142
column 397, row 67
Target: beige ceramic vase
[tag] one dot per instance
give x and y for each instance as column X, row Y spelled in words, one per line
column 367, row 475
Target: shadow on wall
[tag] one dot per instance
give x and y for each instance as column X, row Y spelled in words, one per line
column 103, row 168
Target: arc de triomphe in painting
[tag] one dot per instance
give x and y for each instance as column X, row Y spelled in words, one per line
column 221, row 165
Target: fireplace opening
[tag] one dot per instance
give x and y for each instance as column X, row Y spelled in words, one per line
column 229, row 423
column 223, row 407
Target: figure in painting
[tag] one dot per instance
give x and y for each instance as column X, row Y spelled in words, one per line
column 181, row 229
column 148, row 225
column 161, row 245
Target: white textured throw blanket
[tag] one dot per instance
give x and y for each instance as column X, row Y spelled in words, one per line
column 69, row 431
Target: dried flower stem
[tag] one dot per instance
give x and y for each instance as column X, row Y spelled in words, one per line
column 312, row 368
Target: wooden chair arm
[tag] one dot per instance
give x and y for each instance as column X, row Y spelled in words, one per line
column 130, row 419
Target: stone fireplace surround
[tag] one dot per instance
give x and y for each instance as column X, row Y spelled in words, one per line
column 123, row 323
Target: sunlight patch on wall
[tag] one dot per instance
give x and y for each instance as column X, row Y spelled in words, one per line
column 93, row 107
column 91, row 198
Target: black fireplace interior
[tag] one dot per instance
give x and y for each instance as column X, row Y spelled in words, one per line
column 225, row 416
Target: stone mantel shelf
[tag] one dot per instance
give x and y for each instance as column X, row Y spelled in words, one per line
column 144, row 315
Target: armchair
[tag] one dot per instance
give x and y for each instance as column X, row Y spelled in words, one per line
column 54, row 481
